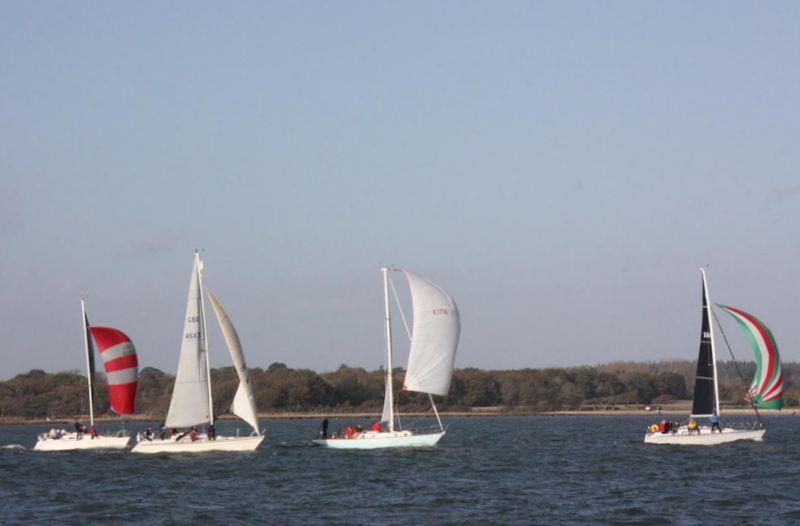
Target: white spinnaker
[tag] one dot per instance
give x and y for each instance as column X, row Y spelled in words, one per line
column 244, row 403
column 434, row 338
column 189, row 405
column 386, row 415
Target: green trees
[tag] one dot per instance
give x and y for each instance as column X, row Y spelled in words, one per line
column 279, row 388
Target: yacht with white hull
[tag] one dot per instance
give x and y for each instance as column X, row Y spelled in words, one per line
column 192, row 403
column 765, row 390
column 122, row 368
column 436, row 329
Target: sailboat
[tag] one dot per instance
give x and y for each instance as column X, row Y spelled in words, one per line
column 122, row 370
column 705, row 403
column 192, row 403
column 430, row 365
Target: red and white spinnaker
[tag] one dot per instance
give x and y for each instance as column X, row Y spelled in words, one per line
column 122, row 367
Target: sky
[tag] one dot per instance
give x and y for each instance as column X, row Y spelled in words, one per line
column 561, row 168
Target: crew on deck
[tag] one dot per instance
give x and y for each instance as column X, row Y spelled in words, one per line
column 715, row 422
column 692, row 426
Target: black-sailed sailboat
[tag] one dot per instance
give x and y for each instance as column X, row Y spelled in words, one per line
column 705, row 403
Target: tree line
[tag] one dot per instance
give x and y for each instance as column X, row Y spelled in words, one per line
column 278, row 388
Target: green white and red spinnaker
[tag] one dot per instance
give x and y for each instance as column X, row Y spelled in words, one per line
column 766, row 390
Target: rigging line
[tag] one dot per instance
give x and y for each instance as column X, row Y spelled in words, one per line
column 739, row 371
column 400, row 308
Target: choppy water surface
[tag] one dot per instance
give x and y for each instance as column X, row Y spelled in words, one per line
column 544, row 470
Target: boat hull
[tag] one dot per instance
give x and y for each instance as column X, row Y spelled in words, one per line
column 201, row 445
column 70, row 442
column 375, row 440
column 706, row 437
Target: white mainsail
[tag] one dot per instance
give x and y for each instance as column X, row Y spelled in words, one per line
column 387, row 403
column 244, row 404
column 434, row 338
column 189, row 405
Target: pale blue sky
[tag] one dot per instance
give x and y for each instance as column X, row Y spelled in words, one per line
column 561, row 168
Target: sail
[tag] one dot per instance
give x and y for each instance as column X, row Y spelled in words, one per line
column 766, row 390
column 387, row 404
column 244, row 403
column 434, row 338
column 90, row 356
column 121, row 365
column 189, row 404
column 703, row 401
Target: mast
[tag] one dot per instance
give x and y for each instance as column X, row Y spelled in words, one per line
column 713, row 347
column 388, row 320
column 88, row 360
column 199, row 264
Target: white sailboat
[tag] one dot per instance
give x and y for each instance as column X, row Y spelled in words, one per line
column 192, row 403
column 705, row 402
column 59, row 440
column 430, row 365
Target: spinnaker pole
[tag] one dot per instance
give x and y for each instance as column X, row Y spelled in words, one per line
column 436, row 412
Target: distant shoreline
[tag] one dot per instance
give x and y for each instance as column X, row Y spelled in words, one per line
column 447, row 414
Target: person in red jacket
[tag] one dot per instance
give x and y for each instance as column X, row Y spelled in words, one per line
column 350, row 432
column 376, row 427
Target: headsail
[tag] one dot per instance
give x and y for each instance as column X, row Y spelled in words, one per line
column 244, row 404
column 704, row 400
column 122, row 367
column 434, row 338
column 766, row 390
column 189, row 405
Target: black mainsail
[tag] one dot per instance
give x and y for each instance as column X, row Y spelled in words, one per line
column 704, row 401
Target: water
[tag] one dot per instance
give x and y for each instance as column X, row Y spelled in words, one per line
column 542, row 470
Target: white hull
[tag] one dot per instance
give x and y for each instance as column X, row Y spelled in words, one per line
column 201, row 445
column 705, row 438
column 376, row 440
column 70, row 442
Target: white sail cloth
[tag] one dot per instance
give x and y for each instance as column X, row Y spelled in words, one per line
column 190, row 396
column 387, row 404
column 434, row 338
column 244, row 404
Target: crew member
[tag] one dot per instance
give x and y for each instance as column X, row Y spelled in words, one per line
column 715, row 422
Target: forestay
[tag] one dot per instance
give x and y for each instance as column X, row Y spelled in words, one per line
column 434, row 338
column 244, row 404
column 766, row 390
column 189, row 405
